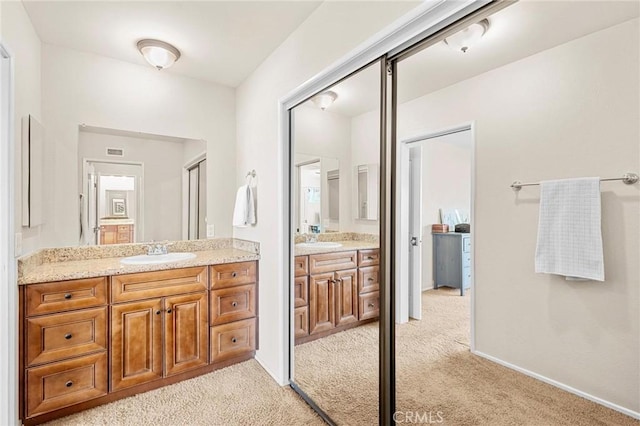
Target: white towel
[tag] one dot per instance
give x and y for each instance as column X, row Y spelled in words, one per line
column 569, row 229
column 244, row 213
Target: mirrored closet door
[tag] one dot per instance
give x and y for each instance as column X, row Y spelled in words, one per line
column 335, row 206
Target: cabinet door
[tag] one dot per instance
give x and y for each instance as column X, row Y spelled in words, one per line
column 301, row 321
column 185, row 332
column 346, row 297
column 136, row 343
column 321, row 303
column 301, row 291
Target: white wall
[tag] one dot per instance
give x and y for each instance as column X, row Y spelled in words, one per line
column 98, row 91
column 446, row 183
column 569, row 111
column 22, row 42
column 163, row 167
column 329, row 33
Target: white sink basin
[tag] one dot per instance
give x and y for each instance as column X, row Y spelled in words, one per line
column 319, row 244
column 147, row 259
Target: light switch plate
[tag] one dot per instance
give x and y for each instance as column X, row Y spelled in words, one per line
column 211, row 231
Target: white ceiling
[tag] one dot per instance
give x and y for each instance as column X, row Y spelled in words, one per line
column 520, row 30
column 220, row 41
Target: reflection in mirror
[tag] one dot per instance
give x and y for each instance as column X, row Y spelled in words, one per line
column 366, row 187
column 137, row 187
column 336, row 284
column 317, row 194
column 524, row 102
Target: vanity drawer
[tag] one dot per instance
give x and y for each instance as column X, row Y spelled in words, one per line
column 368, row 257
column 369, row 306
column 301, row 291
column 301, row 266
column 62, row 296
column 368, row 279
column 124, row 228
column 147, row 285
column 233, row 340
column 65, row 383
column 233, row 304
column 232, row 274
column 329, row 262
column 59, row 336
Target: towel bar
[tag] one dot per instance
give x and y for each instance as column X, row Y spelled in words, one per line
column 628, row 178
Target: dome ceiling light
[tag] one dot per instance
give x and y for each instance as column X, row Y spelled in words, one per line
column 463, row 40
column 159, row 54
column 324, row 99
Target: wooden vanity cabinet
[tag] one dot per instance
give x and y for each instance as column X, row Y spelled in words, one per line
column 116, row 234
column 161, row 336
column 91, row 341
column 337, row 294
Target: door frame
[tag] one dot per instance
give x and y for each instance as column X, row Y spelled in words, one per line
column 185, row 192
column 140, row 208
column 8, row 241
column 403, row 254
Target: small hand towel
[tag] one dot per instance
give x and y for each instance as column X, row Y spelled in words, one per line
column 569, row 229
column 244, row 213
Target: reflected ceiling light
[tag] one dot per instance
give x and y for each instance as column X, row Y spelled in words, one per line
column 158, row 53
column 466, row 38
column 324, row 99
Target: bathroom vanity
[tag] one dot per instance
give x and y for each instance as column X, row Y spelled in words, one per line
column 94, row 331
column 335, row 289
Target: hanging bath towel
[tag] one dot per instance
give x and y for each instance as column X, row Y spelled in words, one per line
column 244, row 213
column 569, row 229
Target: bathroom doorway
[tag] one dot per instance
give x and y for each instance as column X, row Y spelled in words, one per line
column 197, row 199
column 436, row 170
column 111, row 200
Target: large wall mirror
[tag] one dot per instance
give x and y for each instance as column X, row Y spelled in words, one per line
column 336, row 286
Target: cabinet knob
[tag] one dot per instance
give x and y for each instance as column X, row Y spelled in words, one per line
column 234, row 274
column 338, row 280
column 158, row 312
column 68, row 336
column 69, row 384
column 371, row 305
column 234, row 340
column 68, row 296
column 234, row 304
column 169, row 310
column 370, row 257
column 369, row 279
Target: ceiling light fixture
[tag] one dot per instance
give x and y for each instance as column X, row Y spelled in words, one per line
column 466, row 38
column 158, row 53
column 324, row 99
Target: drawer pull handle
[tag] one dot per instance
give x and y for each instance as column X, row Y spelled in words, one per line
column 234, row 274
column 69, row 384
column 169, row 310
column 369, row 279
column 234, row 340
column 338, row 280
column 234, row 304
column 68, row 336
column 68, row 296
column 371, row 305
column 158, row 312
column 370, row 257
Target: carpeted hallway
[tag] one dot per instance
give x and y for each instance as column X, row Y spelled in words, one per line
column 436, row 374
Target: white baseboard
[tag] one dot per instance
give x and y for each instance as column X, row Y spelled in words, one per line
column 616, row 407
column 278, row 380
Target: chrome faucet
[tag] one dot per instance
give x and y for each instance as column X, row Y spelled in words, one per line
column 156, row 249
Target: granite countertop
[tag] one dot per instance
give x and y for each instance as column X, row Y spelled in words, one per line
column 346, row 246
column 75, row 269
column 68, row 263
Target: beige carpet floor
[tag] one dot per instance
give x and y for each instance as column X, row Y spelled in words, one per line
column 436, row 374
column 243, row 394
